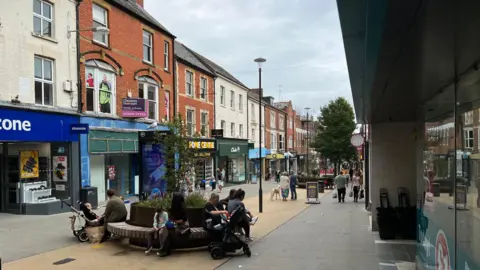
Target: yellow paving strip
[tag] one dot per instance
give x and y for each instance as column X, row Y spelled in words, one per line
column 119, row 256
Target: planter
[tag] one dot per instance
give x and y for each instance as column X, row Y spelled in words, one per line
column 141, row 216
column 196, row 216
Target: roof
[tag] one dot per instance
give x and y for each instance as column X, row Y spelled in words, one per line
column 281, row 105
column 187, row 55
column 219, row 70
column 140, row 12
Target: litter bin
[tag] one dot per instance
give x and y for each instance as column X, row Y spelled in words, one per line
column 89, row 194
column 321, row 187
column 436, row 189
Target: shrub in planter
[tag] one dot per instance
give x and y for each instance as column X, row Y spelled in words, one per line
column 195, row 203
column 142, row 213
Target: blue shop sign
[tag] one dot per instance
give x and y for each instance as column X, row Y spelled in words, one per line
column 19, row 125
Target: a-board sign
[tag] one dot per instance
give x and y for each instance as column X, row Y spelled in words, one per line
column 312, row 192
column 461, row 195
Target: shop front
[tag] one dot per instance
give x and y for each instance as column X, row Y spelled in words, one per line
column 255, row 162
column 109, row 155
column 276, row 163
column 38, row 161
column 204, row 152
column 232, row 157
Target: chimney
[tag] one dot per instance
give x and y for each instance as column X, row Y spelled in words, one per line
column 140, row 3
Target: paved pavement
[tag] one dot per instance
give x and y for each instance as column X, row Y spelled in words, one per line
column 326, row 236
column 23, row 236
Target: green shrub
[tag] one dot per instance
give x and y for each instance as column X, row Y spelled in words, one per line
column 164, row 202
column 195, row 200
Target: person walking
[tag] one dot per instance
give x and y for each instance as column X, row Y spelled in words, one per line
column 356, row 186
column 220, row 180
column 284, row 185
column 340, row 182
column 293, row 186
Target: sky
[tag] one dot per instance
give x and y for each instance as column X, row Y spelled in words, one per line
column 301, row 40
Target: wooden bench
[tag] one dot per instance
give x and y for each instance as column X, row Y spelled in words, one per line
column 138, row 236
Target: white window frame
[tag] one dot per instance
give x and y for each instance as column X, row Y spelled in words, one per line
column 105, row 68
column 43, row 19
column 232, row 129
column 281, row 120
column 222, row 95
column 253, row 134
column 166, row 55
column 189, row 91
column 232, row 99
column 223, row 126
column 468, row 140
column 468, row 118
column 147, row 46
column 203, row 88
column 290, row 142
column 204, row 124
column 240, row 102
column 192, row 123
column 146, row 82
column 44, row 81
column 253, row 111
column 103, row 24
column 281, row 142
column 273, row 141
column 272, row 119
column 290, row 122
column 240, row 131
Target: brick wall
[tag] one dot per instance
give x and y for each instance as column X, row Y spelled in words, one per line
column 195, row 103
column 125, row 53
column 267, row 127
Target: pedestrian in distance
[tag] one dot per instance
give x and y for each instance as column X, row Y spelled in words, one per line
column 340, row 183
column 219, row 180
column 284, row 185
column 356, row 186
column 293, row 186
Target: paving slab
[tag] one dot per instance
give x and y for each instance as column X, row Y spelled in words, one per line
column 119, row 255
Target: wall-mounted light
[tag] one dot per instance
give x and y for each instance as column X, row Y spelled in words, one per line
column 99, row 29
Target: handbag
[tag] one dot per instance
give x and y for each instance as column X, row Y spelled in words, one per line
column 362, row 195
column 350, row 194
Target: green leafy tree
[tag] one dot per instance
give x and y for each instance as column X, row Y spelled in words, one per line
column 336, row 126
column 179, row 158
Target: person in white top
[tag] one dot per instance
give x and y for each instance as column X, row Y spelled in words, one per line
column 356, row 186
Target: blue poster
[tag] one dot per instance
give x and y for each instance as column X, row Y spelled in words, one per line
column 154, row 167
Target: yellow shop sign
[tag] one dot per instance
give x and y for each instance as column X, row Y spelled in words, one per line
column 201, row 145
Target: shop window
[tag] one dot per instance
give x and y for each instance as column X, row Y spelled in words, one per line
column 189, row 83
column 204, row 124
column 148, row 89
column 101, row 87
column 190, row 122
column 232, row 130
column 203, row 88
column 42, row 18
column 468, row 138
column 43, row 81
column 147, row 47
column 222, row 95
column 100, row 19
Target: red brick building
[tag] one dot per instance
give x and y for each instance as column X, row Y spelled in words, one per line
column 195, row 87
column 289, row 124
column 135, row 58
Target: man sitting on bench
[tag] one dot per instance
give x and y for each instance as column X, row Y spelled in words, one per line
column 115, row 211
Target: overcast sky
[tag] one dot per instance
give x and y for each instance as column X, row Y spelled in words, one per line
column 301, row 40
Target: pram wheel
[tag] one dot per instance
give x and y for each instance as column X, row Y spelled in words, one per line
column 82, row 236
column 247, row 252
column 210, row 246
column 75, row 233
column 217, row 253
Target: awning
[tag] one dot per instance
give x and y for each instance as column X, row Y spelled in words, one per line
column 253, row 153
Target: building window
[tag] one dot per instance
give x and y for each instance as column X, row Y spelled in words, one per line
column 190, row 122
column 290, row 123
column 232, row 130
column 240, row 131
column 273, row 141
column 240, row 102
column 468, row 136
column 223, row 126
column 100, row 84
column 272, row 119
column 203, row 88
column 148, row 89
column 166, row 50
column 42, row 18
column 468, row 118
column 204, row 124
column 281, row 122
column 189, row 83
column 100, row 19
column 253, row 134
column 232, row 99
column 43, row 81
column 167, row 105
column 281, row 142
column 222, row 95
column 253, row 111
column 290, row 142
column 147, row 47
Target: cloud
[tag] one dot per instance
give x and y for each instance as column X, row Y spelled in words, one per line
column 301, row 40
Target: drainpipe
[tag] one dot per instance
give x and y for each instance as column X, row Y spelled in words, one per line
column 174, row 79
column 79, row 91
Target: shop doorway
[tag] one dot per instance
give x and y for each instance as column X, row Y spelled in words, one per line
column 9, row 181
column 97, row 175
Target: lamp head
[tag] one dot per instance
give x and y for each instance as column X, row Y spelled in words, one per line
column 101, row 30
column 260, row 61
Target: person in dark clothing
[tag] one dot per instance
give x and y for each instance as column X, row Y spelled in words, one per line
column 293, row 186
column 230, row 196
column 178, row 215
column 233, row 204
column 214, row 213
column 350, row 172
column 115, row 211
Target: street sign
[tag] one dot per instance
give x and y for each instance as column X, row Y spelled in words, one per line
column 312, row 192
column 357, row 140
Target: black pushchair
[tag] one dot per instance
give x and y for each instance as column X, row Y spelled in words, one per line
column 77, row 226
column 230, row 241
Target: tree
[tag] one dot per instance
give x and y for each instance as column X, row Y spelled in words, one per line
column 336, row 126
column 179, row 158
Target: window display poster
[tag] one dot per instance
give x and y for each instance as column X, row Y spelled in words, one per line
column 59, row 165
column 111, row 172
column 153, row 169
column 28, row 164
column 90, row 80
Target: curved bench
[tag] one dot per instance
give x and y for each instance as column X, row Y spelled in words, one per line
column 138, row 236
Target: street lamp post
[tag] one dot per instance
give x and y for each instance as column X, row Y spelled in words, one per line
column 260, row 62
column 308, row 140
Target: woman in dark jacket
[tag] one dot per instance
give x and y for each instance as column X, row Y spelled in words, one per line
column 230, row 196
